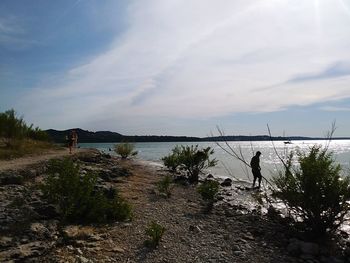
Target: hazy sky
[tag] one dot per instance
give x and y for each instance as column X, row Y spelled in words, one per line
column 178, row 67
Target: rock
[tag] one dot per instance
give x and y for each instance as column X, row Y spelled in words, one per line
column 194, row 229
column 88, row 158
column 93, row 237
column 333, row 259
column 106, row 155
column 248, row 236
column 235, row 247
column 118, row 249
column 307, row 257
column 181, row 179
column 210, row 176
column 119, row 171
column 106, row 175
column 29, row 250
column 220, row 198
column 83, row 259
column 39, row 230
column 309, row 248
column 293, row 248
column 71, row 232
column 5, row 241
column 226, row 182
column 11, row 179
column 297, row 247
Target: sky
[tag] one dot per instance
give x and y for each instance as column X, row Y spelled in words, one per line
column 178, row 67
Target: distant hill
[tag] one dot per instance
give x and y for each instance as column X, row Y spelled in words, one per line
column 108, row 136
column 85, row 136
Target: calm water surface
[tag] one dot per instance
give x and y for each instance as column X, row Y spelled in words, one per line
column 227, row 165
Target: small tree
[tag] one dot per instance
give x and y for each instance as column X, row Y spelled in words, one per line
column 125, row 150
column 164, row 186
column 155, row 232
column 208, row 190
column 315, row 191
column 172, row 161
column 194, row 161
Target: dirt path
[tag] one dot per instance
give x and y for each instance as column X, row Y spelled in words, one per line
column 20, row 163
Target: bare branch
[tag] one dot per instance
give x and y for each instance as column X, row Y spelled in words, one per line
column 330, row 133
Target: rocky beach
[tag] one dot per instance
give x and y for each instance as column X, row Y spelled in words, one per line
column 31, row 230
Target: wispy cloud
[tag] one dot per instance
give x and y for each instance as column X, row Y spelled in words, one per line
column 335, row 108
column 338, row 69
column 13, row 35
column 203, row 59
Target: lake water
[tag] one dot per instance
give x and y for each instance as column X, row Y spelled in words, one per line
column 229, row 166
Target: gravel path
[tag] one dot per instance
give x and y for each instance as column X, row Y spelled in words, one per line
column 20, row 163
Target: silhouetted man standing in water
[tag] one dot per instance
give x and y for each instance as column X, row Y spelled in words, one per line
column 255, row 164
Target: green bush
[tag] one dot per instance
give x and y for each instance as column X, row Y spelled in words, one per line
column 125, row 150
column 172, row 161
column 208, row 190
column 194, row 161
column 78, row 199
column 37, row 134
column 314, row 190
column 13, row 130
column 164, row 186
column 154, row 232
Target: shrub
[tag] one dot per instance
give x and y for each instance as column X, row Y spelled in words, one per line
column 194, row 161
column 125, row 150
column 37, row 134
column 315, row 191
column 78, row 199
column 155, row 232
column 163, row 186
column 23, row 147
column 208, row 190
column 172, row 161
column 13, row 130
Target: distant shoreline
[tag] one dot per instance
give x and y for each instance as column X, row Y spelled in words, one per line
column 114, row 137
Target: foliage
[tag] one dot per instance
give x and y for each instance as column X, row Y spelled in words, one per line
column 155, row 232
column 163, row 186
column 11, row 126
column 77, row 197
column 194, row 161
column 172, row 161
column 208, row 190
column 315, row 191
column 37, row 134
column 23, row 147
column 125, row 150
column 17, row 138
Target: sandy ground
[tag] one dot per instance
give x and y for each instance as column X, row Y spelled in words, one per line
column 20, row 163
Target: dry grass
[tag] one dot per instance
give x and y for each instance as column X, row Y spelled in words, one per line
column 20, row 148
